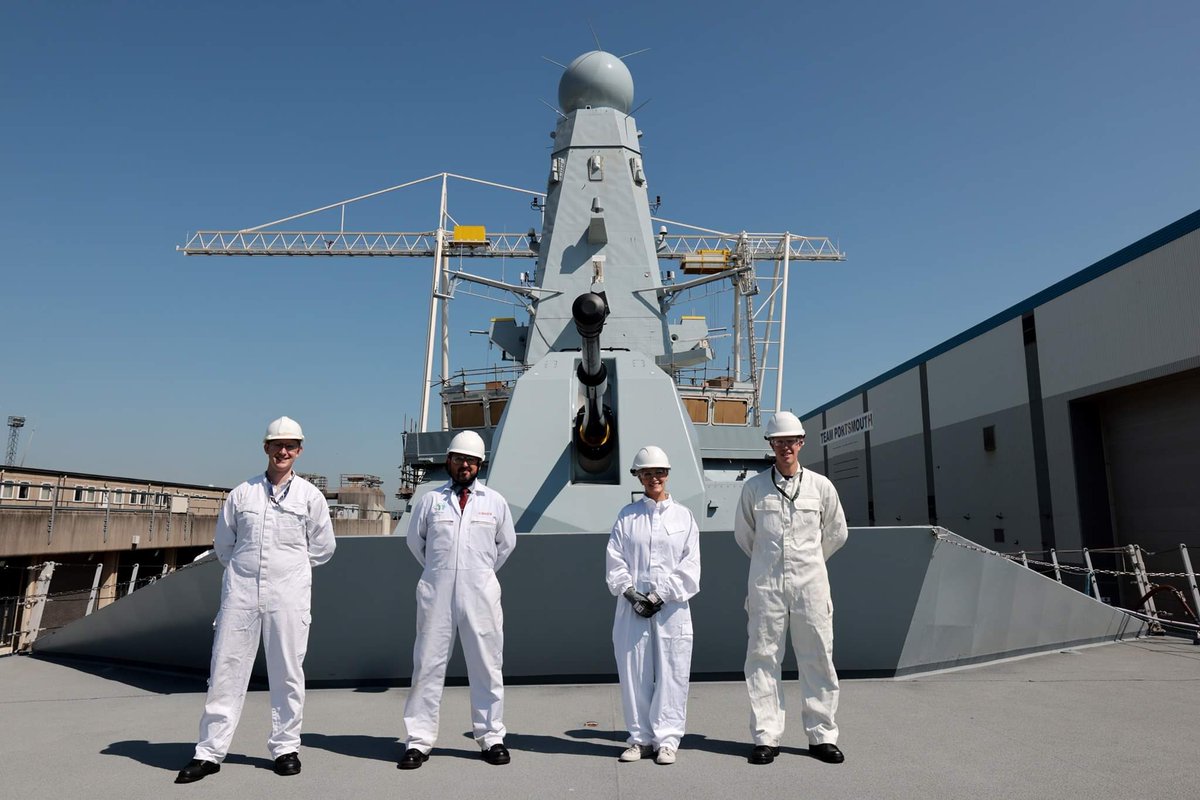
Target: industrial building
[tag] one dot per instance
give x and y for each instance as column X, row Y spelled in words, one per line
column 72, row 542
column 1070, row 420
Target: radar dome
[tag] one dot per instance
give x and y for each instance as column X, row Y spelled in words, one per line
column 597, row 79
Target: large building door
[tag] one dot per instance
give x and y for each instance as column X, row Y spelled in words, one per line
column 1151, row 440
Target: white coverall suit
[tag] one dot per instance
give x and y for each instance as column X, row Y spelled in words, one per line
column 458, row 590
column 269, row 540
column 789, row 533
column 654, row 547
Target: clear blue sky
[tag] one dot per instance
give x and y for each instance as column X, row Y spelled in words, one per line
column 964, row 155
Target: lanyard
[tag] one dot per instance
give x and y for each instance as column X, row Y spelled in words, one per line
column 778, row 488
column 287, row 487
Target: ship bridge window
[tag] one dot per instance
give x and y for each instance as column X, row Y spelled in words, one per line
column 46, row 492
column 23, row 491
column 730, row 412
column 495, row 410
column 7, row 491
column 697, row 408
column 466, row 415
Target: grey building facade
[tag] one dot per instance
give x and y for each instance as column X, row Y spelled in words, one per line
column 1069, row 420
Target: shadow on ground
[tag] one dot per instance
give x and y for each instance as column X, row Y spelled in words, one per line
column 574, row 746
column 691, row 741
column 172, row 756
column 376, row 748
column 148, row 679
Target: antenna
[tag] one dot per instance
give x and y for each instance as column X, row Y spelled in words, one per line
column 552, row 108
column 14, row 435
column 594, row 36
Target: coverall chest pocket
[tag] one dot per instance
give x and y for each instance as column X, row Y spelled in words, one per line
column 483, row 536
column 808, row 512
column 249, row 524
column 768, row 513
column 440, row 537
column 676, row 538
column 291, row 526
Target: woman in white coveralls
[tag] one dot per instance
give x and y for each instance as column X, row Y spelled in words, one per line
column 653, row 569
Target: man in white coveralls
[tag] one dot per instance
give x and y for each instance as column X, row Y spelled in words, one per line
column 272, row 530
column 461, row 533
column 789, row 521
column 653, row 562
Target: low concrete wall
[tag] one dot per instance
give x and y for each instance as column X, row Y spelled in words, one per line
column 29, row 533
column 363, row 527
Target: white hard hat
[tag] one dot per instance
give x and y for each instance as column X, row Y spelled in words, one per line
column 649, row 457
column 784, row 423
column 283, row 428
column 467, row 443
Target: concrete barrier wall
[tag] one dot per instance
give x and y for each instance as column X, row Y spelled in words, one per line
column 29, row 533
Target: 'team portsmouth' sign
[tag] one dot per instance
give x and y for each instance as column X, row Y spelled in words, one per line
column 851, row 427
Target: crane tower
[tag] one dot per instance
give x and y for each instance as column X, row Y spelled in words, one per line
column 14, row 435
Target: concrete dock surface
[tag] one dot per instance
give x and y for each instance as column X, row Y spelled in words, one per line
column 1112, row 721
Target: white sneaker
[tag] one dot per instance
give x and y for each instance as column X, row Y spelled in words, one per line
column 636, row 752
column 666, row 755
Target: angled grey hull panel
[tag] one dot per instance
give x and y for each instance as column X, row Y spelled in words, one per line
column 904, row 602
column 974, row 608
column 166, row 624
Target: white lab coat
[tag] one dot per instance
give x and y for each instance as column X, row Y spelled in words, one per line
column 788, row 542
column 269, row 549
column 458, row 592
column 654, row 547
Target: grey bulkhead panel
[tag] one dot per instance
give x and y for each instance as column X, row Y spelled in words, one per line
column 531, row 460
column 594, row 147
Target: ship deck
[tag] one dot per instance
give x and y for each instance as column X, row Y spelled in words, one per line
column 1110, row 721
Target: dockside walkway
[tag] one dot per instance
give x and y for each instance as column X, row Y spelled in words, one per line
column 1114, row 721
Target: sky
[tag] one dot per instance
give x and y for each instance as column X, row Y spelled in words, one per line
column 963, row 155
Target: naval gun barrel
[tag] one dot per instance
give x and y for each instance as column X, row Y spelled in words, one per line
column 595, row 433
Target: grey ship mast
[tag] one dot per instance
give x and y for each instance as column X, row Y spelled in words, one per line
column 599, row 239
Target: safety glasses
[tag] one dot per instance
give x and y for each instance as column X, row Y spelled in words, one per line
column 657, row 472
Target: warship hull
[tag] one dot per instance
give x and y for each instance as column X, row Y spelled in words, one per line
column 906, row 600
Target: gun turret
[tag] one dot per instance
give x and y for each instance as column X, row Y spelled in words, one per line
column 595, row 433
